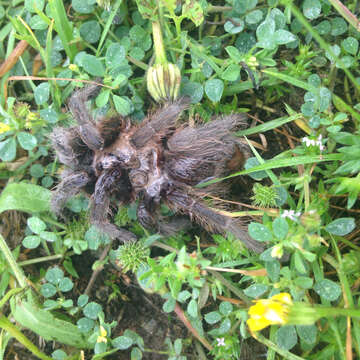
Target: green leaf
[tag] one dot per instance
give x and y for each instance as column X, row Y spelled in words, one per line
column 54, row 275
column 314, row 80
column 25, row 197
column 259, row 232
column 350, row 45
column 65, row 285
column 299, row 263
column 304, row 282
column 231, row 73
column 8, row 149
column 37, row 171
column 137, row 34
column 283, row 37
column 122, row 342
column 137, row 53
column 258, row 175
column 26, row 140
column 83, row 6
column 286, row 337
column 178, row 346
column 31, row 241
column 256, row 290
column 42, row 93
column 36, row 225
column 338, row 26
column 37, row 23
column 123, row 105
column 59, row 355
column 234, row 26
column 324, row 27
column 48, row 236
column 254, row 17
column 49, row 115
column 280, row 228
column 312, row 9
column 225, row 308
column 327, row 289
column 48, row 290
column 90, row 31
column 82, row 300
column 194, row 90
column 265, row 34
column 169, row 305
column 43, row 323
column 341, row 226
column 85, row 325
column 136, row 354
column 224, row 326
column 307, row 333
column 34, row 5
column 92, row 65
column 91, row 310
column 234, row 53
column 214, row 89
column 192, row 308
column 114, row 54
column 212, row 317
column 273, row 270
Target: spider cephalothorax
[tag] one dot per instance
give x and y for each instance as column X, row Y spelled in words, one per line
column 116, row 163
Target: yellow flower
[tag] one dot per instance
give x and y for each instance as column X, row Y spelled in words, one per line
column 102, row 336
column 271, row 311
column 4, row 127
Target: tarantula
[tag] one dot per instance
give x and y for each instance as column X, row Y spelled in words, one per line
column 157, row 161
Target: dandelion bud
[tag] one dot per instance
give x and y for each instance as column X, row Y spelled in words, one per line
column 163, row 82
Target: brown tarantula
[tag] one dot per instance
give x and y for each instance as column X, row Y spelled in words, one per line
column 117, row 162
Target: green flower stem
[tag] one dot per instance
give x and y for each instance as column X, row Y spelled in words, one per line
column 43, row 259
column 286, row 354
column 160, row 55
column 20, row 277
column 346, row 13
column 8, row 326
column 305, row 314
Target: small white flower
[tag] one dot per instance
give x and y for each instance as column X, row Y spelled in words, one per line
column 291, row 214
column 220, row 341
column 311, row 142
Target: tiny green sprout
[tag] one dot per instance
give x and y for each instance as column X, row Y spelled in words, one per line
column 21, row 109
column 131, row 255
column 264, row 196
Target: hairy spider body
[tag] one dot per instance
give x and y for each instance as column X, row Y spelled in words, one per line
column 117, row 163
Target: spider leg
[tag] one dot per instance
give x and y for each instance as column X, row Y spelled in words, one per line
column 160, row 124
column 104, row 186
column 210, row 219
column 145, row 212
column 69, row 187
column 70, row 149
column 87, row 128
